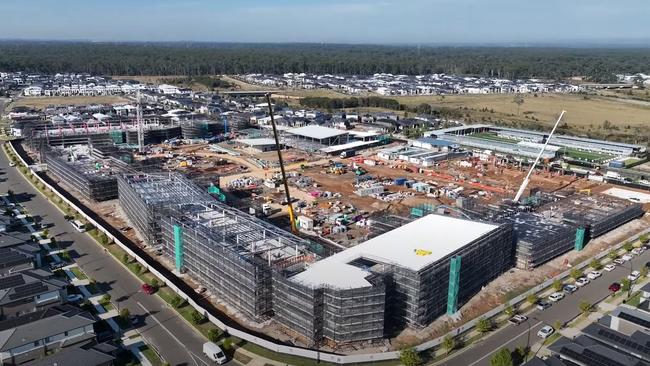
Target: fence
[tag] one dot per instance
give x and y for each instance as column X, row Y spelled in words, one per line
column 288, row 350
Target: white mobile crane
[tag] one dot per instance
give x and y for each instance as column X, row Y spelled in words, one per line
column 532, row 168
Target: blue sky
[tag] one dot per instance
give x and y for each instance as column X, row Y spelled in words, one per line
column 334, row 21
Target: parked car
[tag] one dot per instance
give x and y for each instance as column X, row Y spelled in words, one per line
column 634, row 276
column 78, row 225
column 517, row 319
column 569, row 289
column 214, row 353
column 638, row 251
column 582, row 281
column 148, row 289
column 11, row 163
column 556, row 296
column 135, row 320
column 614, row 287
column 619, row 261
column 594, row 274
column 57, row 265
column 74, row 298
column 627, row 257
column 545, row 332
column 610, row 267
column 543, row 304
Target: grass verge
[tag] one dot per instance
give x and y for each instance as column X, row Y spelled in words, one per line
column 151, row 355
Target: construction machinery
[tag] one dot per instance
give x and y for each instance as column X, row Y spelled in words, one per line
column 292, row 218
column 524, row 184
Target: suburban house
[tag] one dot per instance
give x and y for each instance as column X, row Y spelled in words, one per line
column 32, row 336
column 29, row 291
column 87, row 354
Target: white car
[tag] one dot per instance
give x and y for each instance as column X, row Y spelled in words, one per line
column 610, row 267
column 556, row 296
column 582, row 281
column 594, row 274
column 545, row 332
column 634, row 276
column 627, row 257
column 619, row 261
column 638, row 251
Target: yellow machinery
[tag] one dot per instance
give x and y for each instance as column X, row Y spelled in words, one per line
column 586, row 191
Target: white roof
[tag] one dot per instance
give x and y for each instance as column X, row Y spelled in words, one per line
column 434, row 236
column 316, row 132
column 349, row 145
column 257, row 142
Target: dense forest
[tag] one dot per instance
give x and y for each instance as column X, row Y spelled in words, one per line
column 207, row 58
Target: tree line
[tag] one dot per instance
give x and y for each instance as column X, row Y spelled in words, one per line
column 190, row 59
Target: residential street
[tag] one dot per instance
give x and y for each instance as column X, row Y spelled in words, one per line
column 514, row 336
column 177, row 341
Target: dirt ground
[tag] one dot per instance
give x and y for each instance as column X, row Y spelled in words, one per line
column 44, row 102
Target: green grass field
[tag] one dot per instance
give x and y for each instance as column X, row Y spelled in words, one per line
column 585, row 155
column 493, row 137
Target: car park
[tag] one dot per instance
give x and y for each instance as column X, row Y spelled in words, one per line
column 569, row 289
column 545, row 332
column 594, row 274
column 614, row 287
column 543, row 304
column 634, row 276
column 610, row 267
column 556, row 296
column 582, row 281
column 517, row 319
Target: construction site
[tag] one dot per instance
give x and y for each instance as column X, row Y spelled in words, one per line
column 373, row 243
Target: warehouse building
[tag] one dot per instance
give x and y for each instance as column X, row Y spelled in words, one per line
column 314, row 137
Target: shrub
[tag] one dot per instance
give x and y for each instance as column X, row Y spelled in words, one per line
column 213, row 335
column 557, row 285
column 575, row 273
column 197, row 318
column 644, row 239
column 628, row 246
column 125, row 314
column 176, row 301
column 410, row 357
column 483, row 325
column 448, row 343
column 585, row 307
column 502, row 358
column 137, row 268
column 612, row 255
column 154, row 283
column 125, row 258
column 105, row 299
column 509, row 310
column 532, row 298
column 595, row 264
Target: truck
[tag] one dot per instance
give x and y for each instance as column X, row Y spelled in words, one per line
column 347, row 153
column 214, row 353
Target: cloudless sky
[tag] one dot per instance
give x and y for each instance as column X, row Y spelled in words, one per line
column 335, row 21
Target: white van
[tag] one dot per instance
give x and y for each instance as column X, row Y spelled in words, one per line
column 214, row 352
column 78, row 225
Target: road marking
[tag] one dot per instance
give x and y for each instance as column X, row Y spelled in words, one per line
column 168, row 331
column 505, row 343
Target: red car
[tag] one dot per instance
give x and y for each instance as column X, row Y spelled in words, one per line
column 148, row 289
column 614, row 287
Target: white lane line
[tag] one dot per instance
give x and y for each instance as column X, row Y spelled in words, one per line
column 168, row 331
column 505, row 343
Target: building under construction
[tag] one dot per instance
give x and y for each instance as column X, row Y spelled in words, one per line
column 94, row 179
column 146, row 197
column 408, row 276
column 200, row 129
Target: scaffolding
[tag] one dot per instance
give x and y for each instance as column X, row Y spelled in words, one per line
column 145, row 198
column 94, row 179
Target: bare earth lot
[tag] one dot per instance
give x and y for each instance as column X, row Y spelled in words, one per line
column 44, row 102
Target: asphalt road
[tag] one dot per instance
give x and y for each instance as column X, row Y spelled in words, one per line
column 565, row 310
column 177, row 341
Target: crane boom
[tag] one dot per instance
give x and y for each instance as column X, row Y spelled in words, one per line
column 524, row 184
column 284, row 176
